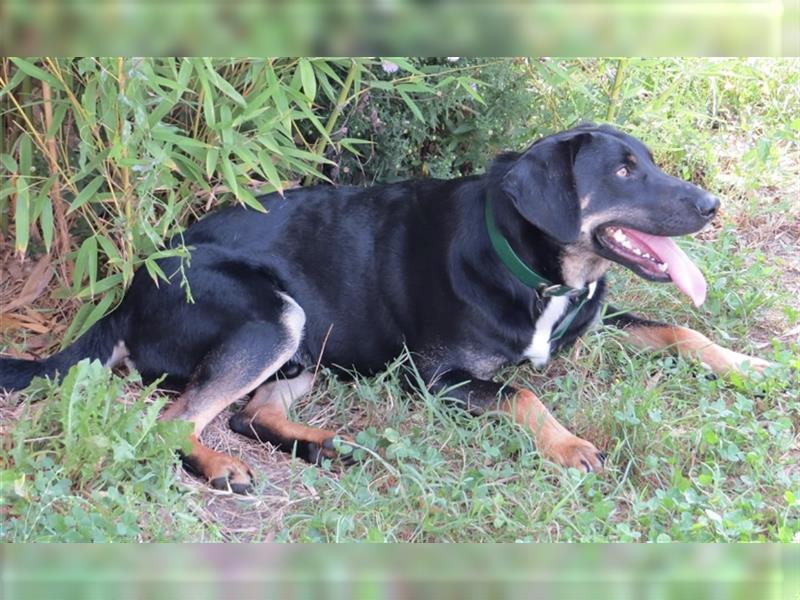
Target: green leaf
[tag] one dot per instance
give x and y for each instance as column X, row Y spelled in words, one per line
column 271, row 173
column 37, row 73
column 308, row 79
column 25, row 154
column 110, row 249
column 58, row 118
column 212, row 156
column 46, row 223
column 411, row 105
column 98, row 311
column 155, row 271
column 22, row 216
column 223, row 86
column 86, row 193
column 15, row 81
column 246, row 198
column 167, row 134
column 105, row 284
column 230, row 176
column 208, row 100
column 86, row 263
column 8, row 162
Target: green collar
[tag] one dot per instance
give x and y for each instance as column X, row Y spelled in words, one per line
column 543, row 287
column 519, row 269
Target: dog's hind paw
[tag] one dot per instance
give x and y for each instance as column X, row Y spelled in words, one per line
column 336, row 447
column 222, row 471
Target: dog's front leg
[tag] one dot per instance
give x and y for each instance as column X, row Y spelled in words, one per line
column 686, row 342
column 553, row 440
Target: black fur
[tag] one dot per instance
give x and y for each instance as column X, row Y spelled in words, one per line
column 378, row 268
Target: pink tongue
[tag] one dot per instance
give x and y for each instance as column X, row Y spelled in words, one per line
column 682, row 270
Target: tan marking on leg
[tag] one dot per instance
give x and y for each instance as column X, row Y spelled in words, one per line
column 552, row 439
column 220, row 469
column 269, row 408
column 173, row 410
column 282, row 392
column 200, row 405
column 691, row 344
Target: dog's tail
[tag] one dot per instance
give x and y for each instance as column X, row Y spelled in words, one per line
column 97, row 343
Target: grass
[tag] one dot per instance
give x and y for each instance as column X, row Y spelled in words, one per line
column 691, row 457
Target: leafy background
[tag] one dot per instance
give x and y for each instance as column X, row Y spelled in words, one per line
column 104, row 159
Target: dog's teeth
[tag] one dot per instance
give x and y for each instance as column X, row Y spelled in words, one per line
column 663, row 267
column 637, row 252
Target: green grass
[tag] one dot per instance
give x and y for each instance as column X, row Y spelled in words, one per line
column 691, row 457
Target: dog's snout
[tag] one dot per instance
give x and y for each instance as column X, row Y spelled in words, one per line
column 707, row 205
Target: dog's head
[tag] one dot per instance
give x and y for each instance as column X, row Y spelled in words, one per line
column 595, row 189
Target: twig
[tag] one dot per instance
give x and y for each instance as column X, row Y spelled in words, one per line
column 613, row 97
column 341, row 102
column 64, row 242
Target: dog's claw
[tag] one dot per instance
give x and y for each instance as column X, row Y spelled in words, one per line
column 224, row 473
column 572, row 451
column 329, row 450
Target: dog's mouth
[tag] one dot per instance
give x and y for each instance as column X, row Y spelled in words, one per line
column 653, row 257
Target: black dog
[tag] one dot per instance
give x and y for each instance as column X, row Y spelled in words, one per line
column 470, row 274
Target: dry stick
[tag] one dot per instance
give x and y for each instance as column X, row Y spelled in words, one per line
column 613, row 97
column 64, row 241
column 127, row 196
column 319, row 147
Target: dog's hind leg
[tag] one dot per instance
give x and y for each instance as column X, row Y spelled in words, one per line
column 651, row 335
column 234, row 368
column 265, row 419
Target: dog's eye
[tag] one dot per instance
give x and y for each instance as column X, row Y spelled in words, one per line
column 623, row 172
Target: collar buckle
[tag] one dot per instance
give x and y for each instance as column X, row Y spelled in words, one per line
column 547, row 291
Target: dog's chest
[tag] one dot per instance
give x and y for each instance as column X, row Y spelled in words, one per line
column 555, row 309
column 538, row 351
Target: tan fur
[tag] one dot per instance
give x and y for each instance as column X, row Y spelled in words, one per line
column 692, row 344
column 580, row 265
column 269, row 408
column 200, row 405
column 216, row 465
column 552, row 439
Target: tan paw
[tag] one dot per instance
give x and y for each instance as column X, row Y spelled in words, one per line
column 572, row 451
column 229, row 473
column 756, row 364
column 742, row 363
column 222, row 471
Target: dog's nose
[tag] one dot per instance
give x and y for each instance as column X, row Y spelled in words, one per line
column 707, row 205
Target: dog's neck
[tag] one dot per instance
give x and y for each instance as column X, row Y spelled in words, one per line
column 580, row 267
column 538, row 251
column 575, row 265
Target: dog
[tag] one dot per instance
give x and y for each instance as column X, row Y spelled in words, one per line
column 469, row 274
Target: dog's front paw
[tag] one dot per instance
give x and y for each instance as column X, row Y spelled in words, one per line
column 742, row 363
column 572, row 451
column 757, row 364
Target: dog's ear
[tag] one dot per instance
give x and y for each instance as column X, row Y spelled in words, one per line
column 541, row 184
